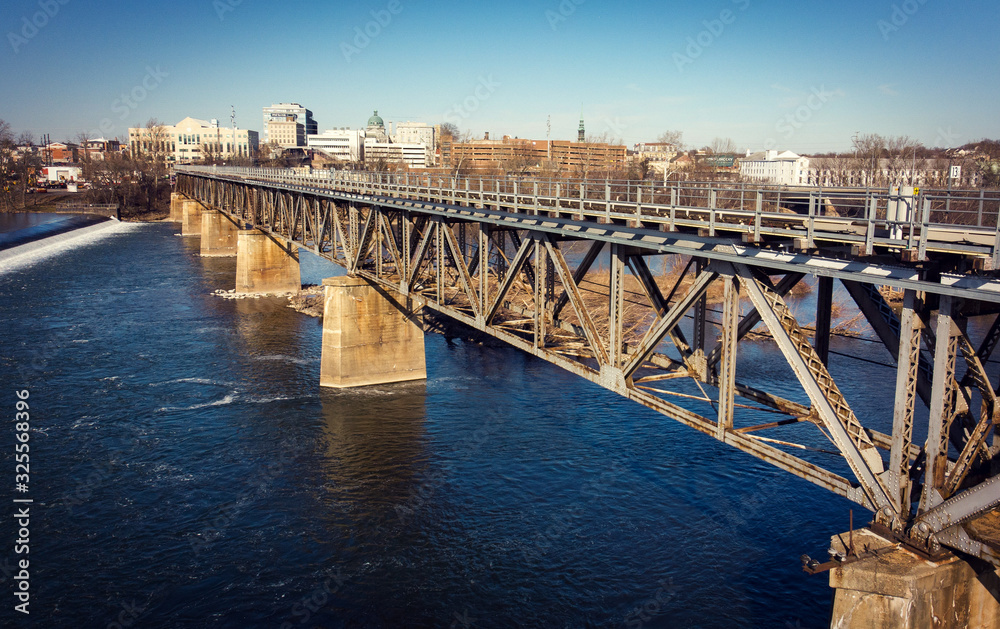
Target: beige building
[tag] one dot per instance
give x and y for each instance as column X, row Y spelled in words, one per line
column 286, row 133
column 192, row 140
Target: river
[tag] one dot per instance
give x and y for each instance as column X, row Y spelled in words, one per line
column 188, row 471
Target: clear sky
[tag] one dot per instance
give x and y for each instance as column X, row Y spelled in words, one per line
column 798, row 75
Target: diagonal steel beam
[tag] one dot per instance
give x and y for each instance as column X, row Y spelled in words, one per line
column 390, row 244
column 752, row 318
column 660, row 305
column 884, row 320
column 570, row 288
column 847, row 432
column 365, row 238
column 508, row 281
column 668, row 321
column 976, row 441
column 581, row 271
column 417, row 262
column 969, row 504
column 463, row 271
column 528, row 271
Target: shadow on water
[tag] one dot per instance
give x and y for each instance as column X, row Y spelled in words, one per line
column 375, row 444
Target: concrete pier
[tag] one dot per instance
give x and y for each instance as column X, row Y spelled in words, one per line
column 265, row 264
column 177, row 207
column 900, row 590
column 218, row 234
column 192, row 218
column 368, row 337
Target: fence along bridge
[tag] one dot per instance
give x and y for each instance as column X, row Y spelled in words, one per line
column 516, row 260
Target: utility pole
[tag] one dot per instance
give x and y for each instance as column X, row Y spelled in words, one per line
column 232, row 118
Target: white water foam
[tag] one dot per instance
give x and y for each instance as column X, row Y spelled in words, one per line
column 229, row 399
column 207, row 381
column 288, row 359
column 33, row 252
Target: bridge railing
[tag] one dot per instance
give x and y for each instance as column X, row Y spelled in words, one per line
column 959, row 220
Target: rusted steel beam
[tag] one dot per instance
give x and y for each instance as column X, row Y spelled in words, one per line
column 573, row 291
column 847, row 432
column 662, row 326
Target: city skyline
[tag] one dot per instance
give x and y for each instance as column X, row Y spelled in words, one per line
column 803, row 78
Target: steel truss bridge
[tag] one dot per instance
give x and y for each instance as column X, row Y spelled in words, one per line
column 564, row 270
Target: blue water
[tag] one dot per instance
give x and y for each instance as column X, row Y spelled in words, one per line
column 187, row 471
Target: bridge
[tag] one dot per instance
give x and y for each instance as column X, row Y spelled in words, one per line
column 524, row 261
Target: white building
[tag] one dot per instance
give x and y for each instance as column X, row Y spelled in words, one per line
column 413, row 155
column 784, row 168
column 290, row 112
column 655, row 151
column 345, row 144
column 188, row 140
column 417, row 133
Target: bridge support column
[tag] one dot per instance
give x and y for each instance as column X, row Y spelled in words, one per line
column 900, row 590
column 177, row 207
column 218, row 234
column 265, row 264
column 368, row 337
column 192, row 218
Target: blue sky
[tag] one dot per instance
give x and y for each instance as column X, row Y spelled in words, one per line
column 795, row 75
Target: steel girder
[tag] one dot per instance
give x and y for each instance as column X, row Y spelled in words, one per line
column 532, row 283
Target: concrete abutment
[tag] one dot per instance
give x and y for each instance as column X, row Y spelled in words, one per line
column 900, row 590
column 266, row 264
column 369, row 337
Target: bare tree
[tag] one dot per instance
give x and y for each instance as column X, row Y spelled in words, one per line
column 869, row 148
column 521, row 159
column 901, row 152
column 211, row 152
column 29, row 162
column 458, row 159
column 8, row 158
column 83, row 139
column 722, row 145
column 272, row 155
column 672, row 137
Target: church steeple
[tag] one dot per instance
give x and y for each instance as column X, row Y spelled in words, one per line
column 581, row 134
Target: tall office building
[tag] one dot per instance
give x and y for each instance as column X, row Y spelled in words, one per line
column 290, row 112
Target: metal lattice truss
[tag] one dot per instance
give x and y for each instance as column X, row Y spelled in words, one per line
column 583, row 296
